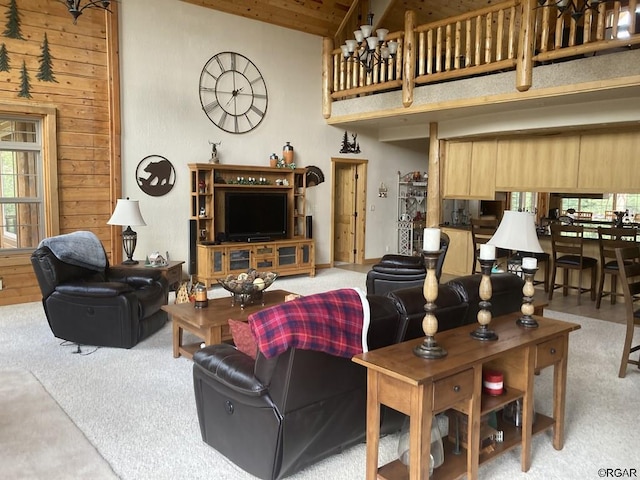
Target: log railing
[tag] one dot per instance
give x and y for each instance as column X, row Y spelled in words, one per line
column 516, row 34
column 469, row 44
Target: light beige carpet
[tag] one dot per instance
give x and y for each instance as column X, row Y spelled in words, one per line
column 37, row 438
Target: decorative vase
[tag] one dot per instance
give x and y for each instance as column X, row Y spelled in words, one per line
column 273, row 160
column 287, row 153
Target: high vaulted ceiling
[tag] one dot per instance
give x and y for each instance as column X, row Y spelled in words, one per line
column 332, row 18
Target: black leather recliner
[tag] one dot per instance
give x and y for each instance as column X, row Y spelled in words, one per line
column 395, row 272
column 94, row 305
column 274, row 417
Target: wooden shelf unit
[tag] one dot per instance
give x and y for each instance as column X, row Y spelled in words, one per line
column 422, row 388
column 208, row 185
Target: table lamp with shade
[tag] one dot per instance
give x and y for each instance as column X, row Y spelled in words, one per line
column 127, row 212
column 517, row 232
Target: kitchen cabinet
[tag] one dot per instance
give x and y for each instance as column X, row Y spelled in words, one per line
column 596, row 173
column 538, row 164
column 470, row 169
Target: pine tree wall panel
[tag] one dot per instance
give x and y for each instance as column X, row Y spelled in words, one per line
column 81, row 97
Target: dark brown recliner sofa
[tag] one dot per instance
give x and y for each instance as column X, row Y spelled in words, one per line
column 274, row 417
column 458, row 302
column 90, row 303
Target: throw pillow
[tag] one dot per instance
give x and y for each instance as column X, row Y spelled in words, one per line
column 243, row 337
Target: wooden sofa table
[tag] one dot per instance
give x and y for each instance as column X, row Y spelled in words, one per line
column 421, row 388
column 211, row 323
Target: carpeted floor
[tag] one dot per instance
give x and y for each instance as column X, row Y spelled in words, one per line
column 137, row 407
column 38, row 439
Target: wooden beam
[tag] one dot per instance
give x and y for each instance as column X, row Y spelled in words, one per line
column 409, row 54
column 327, row 76
column 115, row 147
column 524, row 65
column 434, row 198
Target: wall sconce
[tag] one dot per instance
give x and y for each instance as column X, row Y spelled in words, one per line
column 382, row 191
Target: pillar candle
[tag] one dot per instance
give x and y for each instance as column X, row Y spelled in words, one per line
column 529, row 263
column 487, row 252
column 431, row 240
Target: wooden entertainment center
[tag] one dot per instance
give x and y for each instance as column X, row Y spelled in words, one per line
column 217, row 258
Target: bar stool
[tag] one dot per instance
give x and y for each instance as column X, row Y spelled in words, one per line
column 568, row 254
column 481, row 232
column 608, row 240
column 542, row 258
column 628, row 260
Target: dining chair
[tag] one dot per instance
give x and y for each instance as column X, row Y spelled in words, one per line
column 609, row 215
column 482, row 229
column 567, row 251
column 608, row 240
column 628, row 259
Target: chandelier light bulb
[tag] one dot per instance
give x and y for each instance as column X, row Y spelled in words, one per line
column 366, row 30
column 382, row 34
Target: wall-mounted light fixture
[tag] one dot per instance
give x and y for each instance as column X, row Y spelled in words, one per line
column 76, row 7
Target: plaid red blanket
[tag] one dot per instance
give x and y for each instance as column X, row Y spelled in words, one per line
column 335, row 322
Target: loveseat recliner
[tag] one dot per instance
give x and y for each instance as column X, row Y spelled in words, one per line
column 275, row 416
column 394, row 272
column 458, row 302
column 90, row 303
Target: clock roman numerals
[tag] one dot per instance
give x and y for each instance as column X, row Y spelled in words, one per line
column 210, row 107
column 219, row 60
column 233, row 93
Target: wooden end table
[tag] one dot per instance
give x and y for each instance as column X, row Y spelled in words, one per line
column 210, row 323
column 172, row 271
column 421, row 388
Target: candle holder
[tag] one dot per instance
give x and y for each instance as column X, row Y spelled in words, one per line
column 527, row 320
column 484, row 314
column 429, row 348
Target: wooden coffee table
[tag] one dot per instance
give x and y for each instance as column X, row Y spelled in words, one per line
column 210, row 323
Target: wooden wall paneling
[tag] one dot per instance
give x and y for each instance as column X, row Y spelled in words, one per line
column 84, row 135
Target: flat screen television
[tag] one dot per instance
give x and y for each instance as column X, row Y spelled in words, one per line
column 255, row 216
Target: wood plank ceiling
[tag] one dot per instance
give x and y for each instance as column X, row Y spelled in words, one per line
column 325, row 18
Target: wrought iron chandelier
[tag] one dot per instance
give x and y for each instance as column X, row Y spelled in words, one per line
column 76, row 7
column 577, row 7
column 368, row 49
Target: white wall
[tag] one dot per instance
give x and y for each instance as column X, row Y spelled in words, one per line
column 162, row 52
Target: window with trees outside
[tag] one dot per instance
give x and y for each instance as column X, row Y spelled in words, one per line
column 610, row 202
column 28, row 202
column 601, row 208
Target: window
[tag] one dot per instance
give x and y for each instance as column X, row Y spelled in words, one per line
column 524, row 201
column 609, row 202
column 28, row 176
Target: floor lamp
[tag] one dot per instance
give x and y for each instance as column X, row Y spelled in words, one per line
column 127, row 212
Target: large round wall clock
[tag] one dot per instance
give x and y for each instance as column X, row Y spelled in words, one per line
column 233, row 93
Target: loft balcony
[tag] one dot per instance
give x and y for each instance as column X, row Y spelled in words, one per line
column 513, row 53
